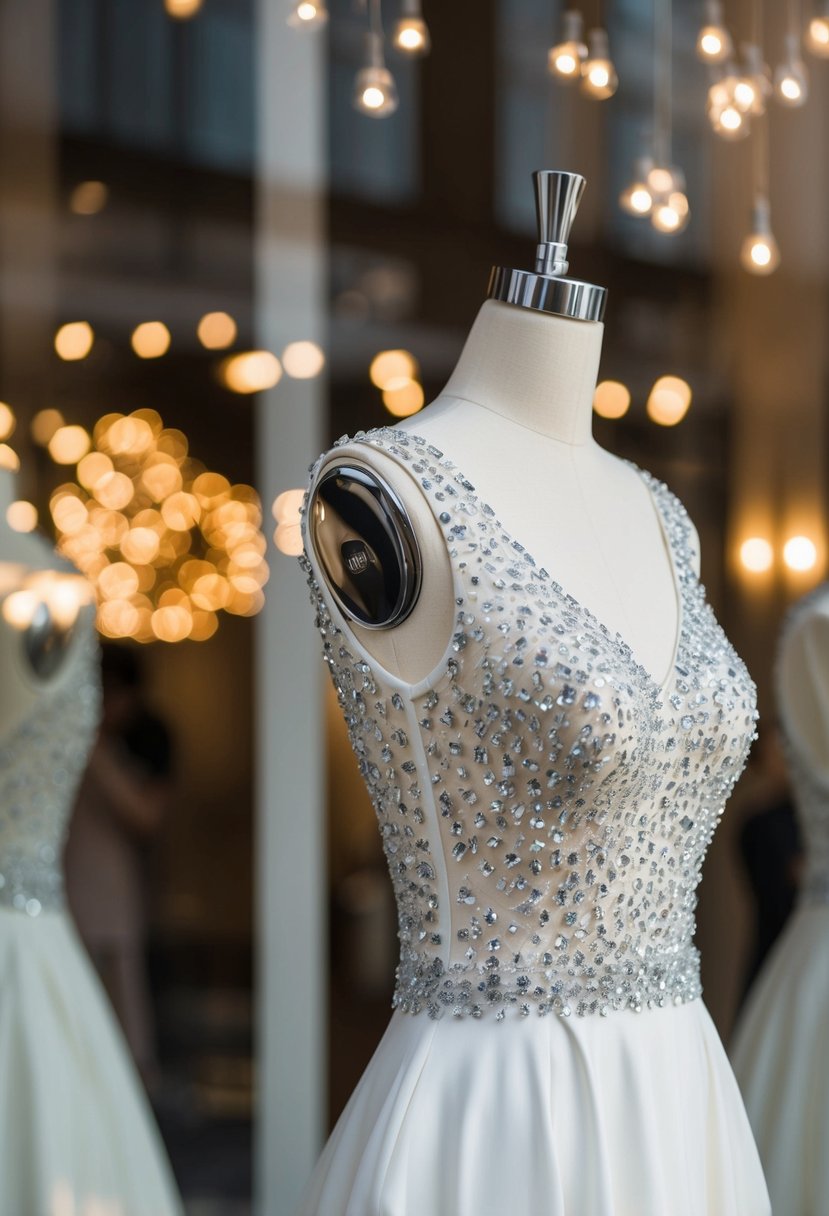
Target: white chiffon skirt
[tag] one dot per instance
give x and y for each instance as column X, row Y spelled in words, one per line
column 77, row 1137
column 781, row 1058
column 627, row 1115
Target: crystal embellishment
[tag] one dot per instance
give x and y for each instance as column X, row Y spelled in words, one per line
column 560, row 793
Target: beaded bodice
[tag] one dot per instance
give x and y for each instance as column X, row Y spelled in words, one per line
column 810, row 788
column 545, row 806
column 42, row 760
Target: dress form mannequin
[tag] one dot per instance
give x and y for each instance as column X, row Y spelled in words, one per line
column 803, row 681
column 24, row 556
column 515, row 417
column 779, row 1047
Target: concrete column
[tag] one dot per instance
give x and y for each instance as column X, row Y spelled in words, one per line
column 290, row 282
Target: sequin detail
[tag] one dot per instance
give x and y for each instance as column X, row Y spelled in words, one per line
column 544, row 805
column 41, row 763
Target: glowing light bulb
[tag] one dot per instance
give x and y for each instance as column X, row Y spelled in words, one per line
column 800, row 553
column 611, row 399
column 714, row 43
column 389, row 365
column 756, row 555
column 375, row 92
column 817, row 31
column 731, row 123
column 565, row 59
column 598, row 75
column 9, row 459
column 636, row 199
column 752, row 88
column 308, row 15
column 669, row 400
column 411, row 34
column 791, row 80
column 760, row 253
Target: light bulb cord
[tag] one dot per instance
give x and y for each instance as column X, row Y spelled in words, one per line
column 662, row 85
column 761, row 157
column 757, row 23
column 793, row 22
column 375, row 19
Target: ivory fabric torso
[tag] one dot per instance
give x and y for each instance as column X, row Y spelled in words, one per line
column 545, row 804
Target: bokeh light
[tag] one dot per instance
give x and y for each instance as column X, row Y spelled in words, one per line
column 391, row 365
column 166, row 542
column 611, row 399
column 669, row 400
column 756, row 554
column 216, row 330
column 252, row 371
column 150, row 339
column 303, row 360
column 8, row 458
column 7, row 420
column 403, row 397
column 44, row 425
column 800, row 553
column 74, row 340
column 21, row 516
column 69, row 444
column 88, row 198
column 182, row 10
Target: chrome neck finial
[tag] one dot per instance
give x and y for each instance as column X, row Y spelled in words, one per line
column 557, row 197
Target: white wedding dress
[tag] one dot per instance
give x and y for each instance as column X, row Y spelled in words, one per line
column 77, row 1137
column 781, row 1044
column 545, row 805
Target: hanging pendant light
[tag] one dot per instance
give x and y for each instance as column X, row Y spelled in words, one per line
column 411, row 33
column 728, row 119
column 760, row 253
column 657, row 191
column 565, row 59
column 817, row 31
column 375, row 92
column 308, row 15
column 791, row 80
column 598, row 75
column 637, row 197
column 714, row 43
column 753, row 85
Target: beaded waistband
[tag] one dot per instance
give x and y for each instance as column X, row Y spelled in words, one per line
column 424, row 984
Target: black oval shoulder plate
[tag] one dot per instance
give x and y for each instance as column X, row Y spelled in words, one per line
column 365, row 543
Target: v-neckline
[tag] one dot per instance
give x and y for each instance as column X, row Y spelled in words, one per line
column 662, row 688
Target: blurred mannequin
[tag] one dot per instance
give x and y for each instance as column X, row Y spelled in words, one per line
column 76, row 1133
column 120, row 805
column 780, row 1044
